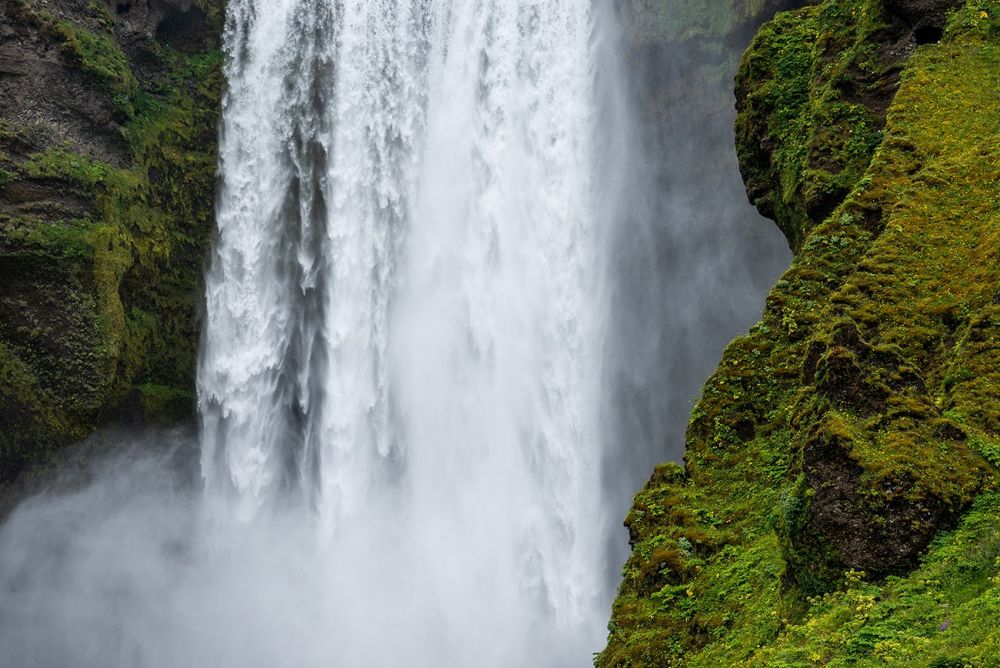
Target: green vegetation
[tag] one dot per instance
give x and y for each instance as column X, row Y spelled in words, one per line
column 100, row 57
column 837, row 506
column 814, row 87
column 942, row 614
column 104, row 262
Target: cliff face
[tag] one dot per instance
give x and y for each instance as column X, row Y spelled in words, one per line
column 107, row 172
column 837, row 506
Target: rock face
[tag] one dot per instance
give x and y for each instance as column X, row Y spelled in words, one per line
column 107, row 161
column 847, row 57
column 838, row 502
column 923, row 18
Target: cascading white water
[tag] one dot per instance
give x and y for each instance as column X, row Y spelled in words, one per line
column 400, row 383
column 404, row 319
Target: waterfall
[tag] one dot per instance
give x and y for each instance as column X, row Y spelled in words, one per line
column 401, row 388
column 469, row 272
column 405, row 312
column 401, row 384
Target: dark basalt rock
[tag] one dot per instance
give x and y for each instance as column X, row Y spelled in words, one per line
column 41, row 89
column 183, row 24
column 922, row 13
column 860, row 503
column 843, row 529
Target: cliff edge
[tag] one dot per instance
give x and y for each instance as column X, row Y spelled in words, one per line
column 838, row 503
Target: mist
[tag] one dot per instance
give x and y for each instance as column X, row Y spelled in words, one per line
column 128, row 567
column 691, row 259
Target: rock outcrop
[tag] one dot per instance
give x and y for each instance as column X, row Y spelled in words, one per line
column 108, row 116
column 837, row 504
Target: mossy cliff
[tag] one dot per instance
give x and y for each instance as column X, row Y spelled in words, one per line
column 108, row 114
column 838, row 504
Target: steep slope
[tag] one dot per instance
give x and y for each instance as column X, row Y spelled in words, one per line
column 837, row 504
column 107, row 173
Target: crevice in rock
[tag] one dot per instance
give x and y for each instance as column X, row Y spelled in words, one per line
column 183, row 28
column 928, row 34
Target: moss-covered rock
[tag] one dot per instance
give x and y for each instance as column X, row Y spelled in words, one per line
column 108, row 119
column 823, row 516
column 812, row 95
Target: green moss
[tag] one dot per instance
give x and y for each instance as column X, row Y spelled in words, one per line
column 812, row 87
column 99, row 56
column 127, row 252
column 941, row 612
column 862, row 410
column 165, row 404
column 69, row 240
column 102, row 13
column 95, row 53
column 23, row 414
